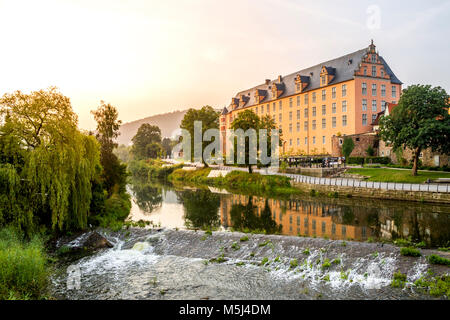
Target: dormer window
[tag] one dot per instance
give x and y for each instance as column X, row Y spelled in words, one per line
column 260, row 95
column 301, row 82
column 243, row 101
column 327, row 75
column 277, row 90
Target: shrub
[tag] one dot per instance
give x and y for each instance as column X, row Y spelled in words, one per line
column 399, row 280
column 435, row 259
column 411, row 252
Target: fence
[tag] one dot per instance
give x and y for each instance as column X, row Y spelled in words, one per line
column 442, row 188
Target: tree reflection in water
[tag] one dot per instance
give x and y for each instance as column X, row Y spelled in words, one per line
column 244, row 218
column 147, row 196
column 201, row 209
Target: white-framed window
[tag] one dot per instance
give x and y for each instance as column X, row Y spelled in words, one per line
column 364, row 88
column 290, row 142
column 290, row 103
column 306, row 99
column 344, row 106
column 314, row 140
column 324, row 110
column 306, row 140
column 374, row 117
column 374, row 90
column 298, row 101
column 324, row 123
column 382, row 72
column 333, row 92
column 333, row 107
column 383, row 105
column 374, row 71
column 344, row 90
column 268, row 108
column 333, row 122
column 394, row 92
column 364, row 105
column 314, row 112
column 280, row 117
column 314, row 125
column 374, row 58
column 364, row 119
column 344, row 121
column 274, row 107
column 298, row 141
column 324, row 95
column 280, row 103
column 324, row 80
column 305, row 127
column 374, row 105
column 306, row 113
column 313, row 97
column 290, row 127
column 290, row 115
column 298, row 126
column 323, row 140
column 298, row 114
column 383, row 90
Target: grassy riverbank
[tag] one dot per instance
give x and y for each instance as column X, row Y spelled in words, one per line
column 24, row 268
column 237, row 181
column 394, row 175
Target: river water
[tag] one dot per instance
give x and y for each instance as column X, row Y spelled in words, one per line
column 301, row 248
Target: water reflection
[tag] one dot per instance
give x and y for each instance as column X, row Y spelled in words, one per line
column 321, row 217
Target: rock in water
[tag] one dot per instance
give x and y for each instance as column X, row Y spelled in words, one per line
column 97, row 241
column 140, row 246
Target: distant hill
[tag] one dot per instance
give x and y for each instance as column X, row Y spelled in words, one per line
column 167, row 122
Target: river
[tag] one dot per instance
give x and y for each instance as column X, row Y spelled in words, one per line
column 301, row 248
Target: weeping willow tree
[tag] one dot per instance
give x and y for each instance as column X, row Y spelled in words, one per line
column 47, row 164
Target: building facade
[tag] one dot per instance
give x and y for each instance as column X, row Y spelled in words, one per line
column 335, row 98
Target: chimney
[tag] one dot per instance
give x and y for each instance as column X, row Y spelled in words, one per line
column 267, row 81
column 280, row 79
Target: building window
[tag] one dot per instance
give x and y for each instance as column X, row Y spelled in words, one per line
column 290, row 142
column 323, row 139
column 274, row 107
column 365, row 71
column 314, row 124
column 374, row 90
column 333, row 93
column 306, row 141
column 298, row 101
column 323, row 227
column 364, row 88
column 324, row 95
column 306, row 126
column 383, row 90
column 281, row 105
column 344, row 106
column 298, row 86
column 394, row 92
column 344, row 121
column 374, row 105
column 374, row 58
column 298, row 141
column 364, row 119
column 314, row 111
column 341, row 141
column 274, row 118
column 298, row 114
column 290, row 115
column 383, row 105
column 313, row 97
column 256, row 110
column 290, row 127
column 306, row 112
column 298, row 126
column 374, row 71
column 280, row 117
column 268, row 108
column 333, row 122
column 333, row 108
column 314, row 140
column 364, row 105
column 290, row 102
column 324, row 110
column 344, row 90
column 306, row 99
column 382, row 73
column 374, row 117
column 324, row 80
column 324, row 123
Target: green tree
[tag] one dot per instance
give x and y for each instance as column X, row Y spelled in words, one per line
column 114, row 173
column 201, row 209
column 370, row 151
column 209, row 119
column 347, row 147
column 47, row 165
column 146, row 142
column 420, row 121
column 167, row 146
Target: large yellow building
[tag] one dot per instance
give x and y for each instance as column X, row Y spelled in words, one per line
column 338, row 97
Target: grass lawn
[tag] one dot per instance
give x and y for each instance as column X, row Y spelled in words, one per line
column 394, row 175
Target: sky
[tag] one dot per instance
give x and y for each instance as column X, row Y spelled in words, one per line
column 151, row 57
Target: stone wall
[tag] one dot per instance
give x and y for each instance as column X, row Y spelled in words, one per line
column 427, row 158
column 377, row 193
column 361, row 141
